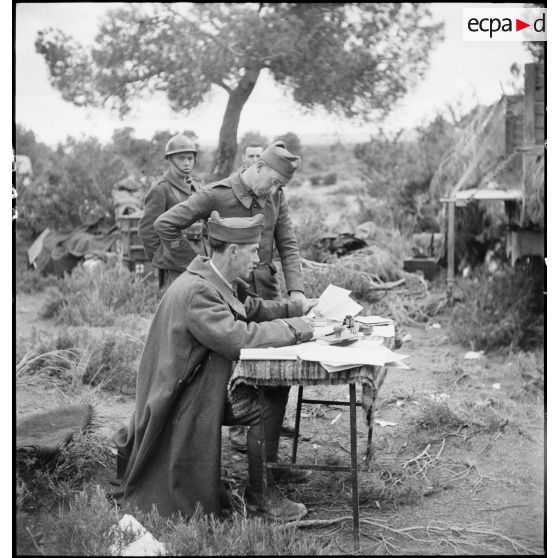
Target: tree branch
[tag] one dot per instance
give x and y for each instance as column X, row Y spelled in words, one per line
column 194, row 28
column 222, row 84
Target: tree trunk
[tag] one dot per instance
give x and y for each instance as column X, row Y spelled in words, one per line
column 223, row 160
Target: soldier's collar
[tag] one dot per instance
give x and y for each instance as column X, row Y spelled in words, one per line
column 184, row 182
column 241, row 191
column 200, row 266
column 220, row 275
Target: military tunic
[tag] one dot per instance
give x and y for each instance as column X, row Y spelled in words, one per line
column 170, row 454
column 231, row 198
column 170, row 190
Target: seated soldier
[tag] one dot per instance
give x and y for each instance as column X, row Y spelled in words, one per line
column 170, row 455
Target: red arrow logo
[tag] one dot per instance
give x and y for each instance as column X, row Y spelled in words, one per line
column 519, row 25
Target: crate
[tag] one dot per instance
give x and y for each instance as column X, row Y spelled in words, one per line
column 428, row 266
column 140, row 268
column 128, row 222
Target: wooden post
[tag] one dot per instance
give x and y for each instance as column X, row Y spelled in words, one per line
column 451, row 247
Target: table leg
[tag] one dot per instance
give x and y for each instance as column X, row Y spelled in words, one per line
column 297, row 423
column 354, row 467
column 263, row 445
column 369, row 448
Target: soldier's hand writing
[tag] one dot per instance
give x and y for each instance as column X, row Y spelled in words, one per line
column 297, row 295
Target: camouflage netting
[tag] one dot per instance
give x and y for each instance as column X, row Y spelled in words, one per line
column 534, row 188
column 479, row 160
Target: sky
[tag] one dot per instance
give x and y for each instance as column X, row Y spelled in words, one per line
column 461, row 73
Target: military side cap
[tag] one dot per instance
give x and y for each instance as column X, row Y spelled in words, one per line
column 280, row 159
column 235, row 230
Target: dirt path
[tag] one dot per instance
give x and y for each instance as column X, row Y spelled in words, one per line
column 488, row 476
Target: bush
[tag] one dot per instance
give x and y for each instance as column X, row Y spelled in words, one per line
column 84, row 527
column 308, row 219
column 316, row 281
column 42, row 484
column 506, row 310
column 113, row 364
column 95, row 299
column 109, row 360
column 239, row 536
column 329, row 179
column 315, row 180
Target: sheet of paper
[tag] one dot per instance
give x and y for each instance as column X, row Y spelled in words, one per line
column 344, row 307
column 270, row 353
column 332, row 368
column 384, row 330
column 330, row 297
column 334, row 303
column 353, row 354
column 322, row 330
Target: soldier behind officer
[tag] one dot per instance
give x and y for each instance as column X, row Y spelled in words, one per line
column 175, row 186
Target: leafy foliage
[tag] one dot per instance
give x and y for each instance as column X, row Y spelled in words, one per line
column 398, row 170
column 96, row 298
column 292, row 142
column 44, row 484
column 347, row 58
column 505, row 310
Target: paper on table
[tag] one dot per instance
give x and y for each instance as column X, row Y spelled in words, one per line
column 320, row 331
column 345, row 307
column 374, row 356
column 270, row 353
column 384, row 330
column 334, row 303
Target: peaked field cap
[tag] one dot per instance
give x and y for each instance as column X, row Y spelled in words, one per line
column 280, row 159
column 236, row 230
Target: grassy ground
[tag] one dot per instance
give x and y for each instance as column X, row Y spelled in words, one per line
column 461, row 470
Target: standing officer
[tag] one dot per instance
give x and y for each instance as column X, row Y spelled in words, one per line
column 256, row 190
column 253, row 190
column 175, row 186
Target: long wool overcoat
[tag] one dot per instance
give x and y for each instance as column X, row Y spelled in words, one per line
column 170, row 454
column 231, row 198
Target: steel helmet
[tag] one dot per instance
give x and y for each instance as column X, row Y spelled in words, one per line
column 180, row 144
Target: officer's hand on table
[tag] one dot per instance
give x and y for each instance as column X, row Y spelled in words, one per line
column 308, row 321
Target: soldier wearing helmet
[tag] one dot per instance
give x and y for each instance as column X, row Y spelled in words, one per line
column 175, row 186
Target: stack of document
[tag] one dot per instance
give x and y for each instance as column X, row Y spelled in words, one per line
column 270, row 353
column 364, row 352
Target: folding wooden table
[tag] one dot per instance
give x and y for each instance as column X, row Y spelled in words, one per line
column 273, row 373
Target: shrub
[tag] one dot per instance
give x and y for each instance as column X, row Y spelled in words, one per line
column 239, row 536
column 501, row 311
column 530, row 368
column 29, row 281
column 316, row 280
column 315, row 180
column 329, row 179
column 109, row 360
column 436, row 414
column 96, row 298
column 43, row 484
column 83, row 527
column 113, row 364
